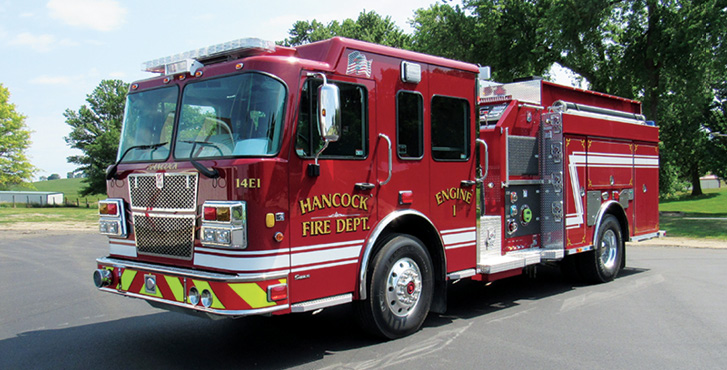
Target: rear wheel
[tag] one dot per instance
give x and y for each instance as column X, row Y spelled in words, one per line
column 400, row 288
column 604, row 262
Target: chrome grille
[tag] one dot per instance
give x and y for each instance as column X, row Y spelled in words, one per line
column 166, row 236
column 178, row 191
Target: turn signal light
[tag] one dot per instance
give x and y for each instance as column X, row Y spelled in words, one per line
column 210, row 213
column 220, row 214
column 108, row 209
column 223, row 214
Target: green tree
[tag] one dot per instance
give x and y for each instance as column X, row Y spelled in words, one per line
column 669, row 54
column 96, row 128
column 503, row 34
column 369, row 26
column 14, row 141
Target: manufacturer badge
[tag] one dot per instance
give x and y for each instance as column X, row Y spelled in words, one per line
column 160, row 180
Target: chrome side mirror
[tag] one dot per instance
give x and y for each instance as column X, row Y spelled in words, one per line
column 329, row 118
column 329, row 111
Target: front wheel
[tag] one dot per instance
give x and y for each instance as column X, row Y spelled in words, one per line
column 604, row 262
column 400, row 288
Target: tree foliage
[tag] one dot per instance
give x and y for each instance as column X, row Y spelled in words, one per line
column 14, row 141
column 670, row 54
column 96, row 128
column 369, row 26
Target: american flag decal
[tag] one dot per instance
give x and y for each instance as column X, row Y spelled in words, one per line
column 358, row 64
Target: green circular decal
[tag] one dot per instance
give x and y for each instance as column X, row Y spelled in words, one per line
column 527, row 215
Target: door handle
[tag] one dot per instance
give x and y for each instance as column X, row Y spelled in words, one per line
column 487, row 160
column 466, row 183
column 390, row 160
column 364, row 186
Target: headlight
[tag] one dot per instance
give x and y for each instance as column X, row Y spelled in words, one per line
column 112, row 219
column 224, row 224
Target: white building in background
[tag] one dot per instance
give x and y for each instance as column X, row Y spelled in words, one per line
column 43, row 198
column 710, row 182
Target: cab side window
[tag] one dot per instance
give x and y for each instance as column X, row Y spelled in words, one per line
column 450, row 136
column 409, row 125
column 352, row 142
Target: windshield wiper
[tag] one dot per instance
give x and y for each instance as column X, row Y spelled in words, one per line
column 111, row 171
column 213, row 173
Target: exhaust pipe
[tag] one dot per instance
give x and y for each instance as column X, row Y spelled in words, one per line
column 102, row 278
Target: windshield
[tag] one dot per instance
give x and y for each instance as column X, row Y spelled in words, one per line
column 148, row 120
column 240, row 115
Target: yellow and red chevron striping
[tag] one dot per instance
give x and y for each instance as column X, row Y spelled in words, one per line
column 234, row 296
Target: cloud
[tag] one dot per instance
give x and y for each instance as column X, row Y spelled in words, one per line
column 51, row 80
column 99, row 15
column 41, row 43
column 27, row 15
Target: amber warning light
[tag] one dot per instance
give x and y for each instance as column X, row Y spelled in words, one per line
column 219, row 214
column 110, row 209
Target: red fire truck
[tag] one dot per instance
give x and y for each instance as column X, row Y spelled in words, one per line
column 257, row 179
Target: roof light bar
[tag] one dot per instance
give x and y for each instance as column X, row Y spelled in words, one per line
column 242, row 47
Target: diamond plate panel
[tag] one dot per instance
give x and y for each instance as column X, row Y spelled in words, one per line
column 164, row 236
column 552, row 226
column 173, row 192
column 523, row 155
column 489, row 239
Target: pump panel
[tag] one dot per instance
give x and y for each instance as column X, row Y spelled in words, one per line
column 522, row 210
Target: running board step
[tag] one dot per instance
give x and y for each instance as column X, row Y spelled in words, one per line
column 321, row 303
column 510, row 261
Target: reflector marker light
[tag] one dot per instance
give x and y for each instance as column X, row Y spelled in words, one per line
column 181, row 62
column 406, row 197
column 277, row 292
column 279, row 237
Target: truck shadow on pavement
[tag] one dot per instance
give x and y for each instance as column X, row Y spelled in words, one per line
column 173, row 340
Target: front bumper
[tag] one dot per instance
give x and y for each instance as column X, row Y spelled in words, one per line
column 169, row 288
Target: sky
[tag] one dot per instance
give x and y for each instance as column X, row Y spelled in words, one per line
column 55, row 52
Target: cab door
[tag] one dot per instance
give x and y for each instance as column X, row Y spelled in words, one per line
column 450, row 127
column 403, row 184
column 331, row 213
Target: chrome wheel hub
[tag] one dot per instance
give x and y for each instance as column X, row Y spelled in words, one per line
column 608, row 249
column 403, row 287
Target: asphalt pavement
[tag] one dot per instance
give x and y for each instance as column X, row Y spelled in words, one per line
column 667, row 310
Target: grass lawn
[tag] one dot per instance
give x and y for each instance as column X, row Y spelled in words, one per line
column 688, row 227
column 713, row 203
column 53, row 214
column 705, row 216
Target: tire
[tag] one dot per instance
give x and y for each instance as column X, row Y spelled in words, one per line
column 603, row 263
column 400, row 287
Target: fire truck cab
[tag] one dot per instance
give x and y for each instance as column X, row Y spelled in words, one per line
column 258, row 179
